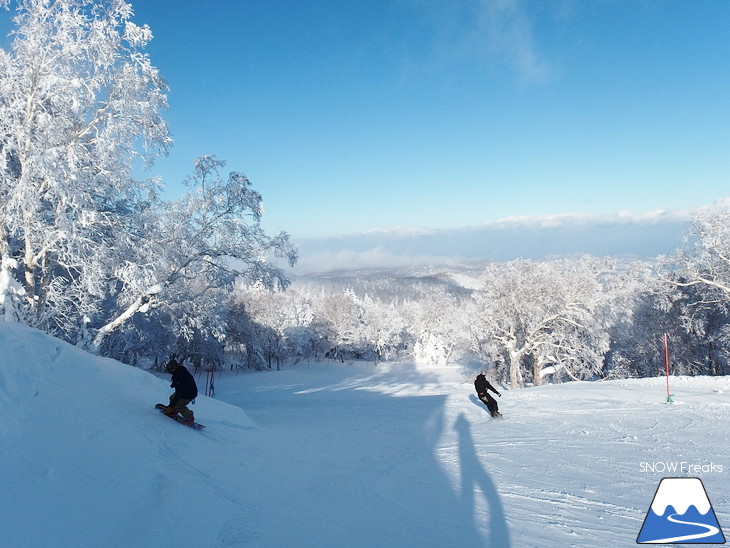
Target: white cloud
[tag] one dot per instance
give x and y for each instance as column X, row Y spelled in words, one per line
column 645, row 234
column 496, row 31
column 509, row 33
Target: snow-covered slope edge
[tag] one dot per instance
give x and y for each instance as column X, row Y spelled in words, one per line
column 87, row 461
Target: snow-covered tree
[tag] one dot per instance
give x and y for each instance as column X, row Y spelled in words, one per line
column 213, row 233
column 381, row 327
column 543, row 313
column 247, row 339
column 79, row 101
column 697, row 335
column 85, row 248
column 704, row 260
column 693, row 295
column 437, row 322
column 691, row 299
column 339, row 317
column 286, row 318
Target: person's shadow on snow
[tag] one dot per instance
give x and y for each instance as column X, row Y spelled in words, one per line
column 473, row 477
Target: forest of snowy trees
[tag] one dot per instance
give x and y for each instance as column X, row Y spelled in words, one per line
column 100, row 259
column 526, row 321
column 89, row 253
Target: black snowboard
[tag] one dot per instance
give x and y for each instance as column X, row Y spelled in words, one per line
column 195, row 426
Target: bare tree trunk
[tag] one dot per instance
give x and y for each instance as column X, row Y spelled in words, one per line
column 536, row 373
column 7, row 311
column 515, row 370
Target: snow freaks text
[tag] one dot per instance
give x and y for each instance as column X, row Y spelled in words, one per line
column 680, row 467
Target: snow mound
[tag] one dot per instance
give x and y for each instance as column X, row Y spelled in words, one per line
column 83, row 446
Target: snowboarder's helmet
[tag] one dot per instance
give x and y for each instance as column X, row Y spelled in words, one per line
column 172, row 366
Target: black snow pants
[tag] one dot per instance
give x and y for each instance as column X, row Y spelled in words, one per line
column 490, row 402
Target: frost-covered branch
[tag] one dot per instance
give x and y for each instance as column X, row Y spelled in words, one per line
column 77, row 98
column 202, row 236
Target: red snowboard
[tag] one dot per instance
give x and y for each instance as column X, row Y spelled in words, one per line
column 194, row 426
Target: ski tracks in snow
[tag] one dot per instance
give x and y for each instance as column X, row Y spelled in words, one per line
column 579, row 467
column 560, row 468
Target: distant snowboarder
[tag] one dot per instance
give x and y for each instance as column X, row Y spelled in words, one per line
column 482, row 385
column 185, row 391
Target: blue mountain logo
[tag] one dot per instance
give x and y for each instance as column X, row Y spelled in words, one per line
column 680, row 512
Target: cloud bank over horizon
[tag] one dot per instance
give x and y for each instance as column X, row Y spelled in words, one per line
column 622, row 234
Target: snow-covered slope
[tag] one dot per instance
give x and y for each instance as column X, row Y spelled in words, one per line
column 85, row 460
column 336, row 455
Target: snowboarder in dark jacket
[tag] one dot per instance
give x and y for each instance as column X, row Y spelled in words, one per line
column 185, row 391
column 482, row 385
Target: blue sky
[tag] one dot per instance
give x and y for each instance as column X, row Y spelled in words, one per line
column 360, row 115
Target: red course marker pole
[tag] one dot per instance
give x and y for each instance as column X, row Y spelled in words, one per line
column 666, row 365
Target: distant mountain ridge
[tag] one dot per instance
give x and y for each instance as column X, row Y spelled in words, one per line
column 461, row 277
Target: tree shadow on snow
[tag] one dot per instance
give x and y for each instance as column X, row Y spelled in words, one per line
column 474, row 478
